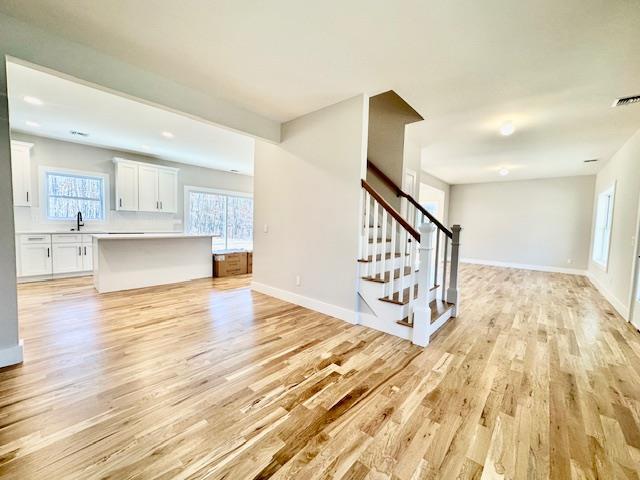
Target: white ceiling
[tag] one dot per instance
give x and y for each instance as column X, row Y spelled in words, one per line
column 552, row 67
column 120, row 123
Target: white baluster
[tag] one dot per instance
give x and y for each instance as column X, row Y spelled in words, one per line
column 374, row 259
column 413, row 248
column 422, row 311
column 367, row 219
column 383, row 243
column 402, row 237
column 452, row 291
column 392, row 256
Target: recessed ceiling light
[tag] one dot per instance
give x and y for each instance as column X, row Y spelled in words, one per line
column 32, row 100
column 30, row 123
column 167, row 134
column 503, row 172
column 507, row 129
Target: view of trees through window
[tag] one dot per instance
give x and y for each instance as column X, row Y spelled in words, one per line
column 69, row 194
column 228, row 216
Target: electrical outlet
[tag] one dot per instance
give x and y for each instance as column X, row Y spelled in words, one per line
column 297, row 280
column 266, row 228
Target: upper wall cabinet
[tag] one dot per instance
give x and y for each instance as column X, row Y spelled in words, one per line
column 21, row 173
column 146, row 188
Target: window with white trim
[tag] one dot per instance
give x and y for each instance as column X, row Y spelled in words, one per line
column 67, row 193
column 602, row 230
column 226, row 215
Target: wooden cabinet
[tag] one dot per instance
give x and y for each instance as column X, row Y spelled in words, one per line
column 21, row 173
column 146, row 187
column 229, row 263
column 126, row 185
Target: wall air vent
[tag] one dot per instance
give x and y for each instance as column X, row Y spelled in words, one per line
column 78, row 133
column 626, row 101
column 591, row 160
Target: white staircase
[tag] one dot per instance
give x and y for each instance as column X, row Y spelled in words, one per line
column 403, row 270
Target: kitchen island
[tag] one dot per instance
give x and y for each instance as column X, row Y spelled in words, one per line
column 125, row 261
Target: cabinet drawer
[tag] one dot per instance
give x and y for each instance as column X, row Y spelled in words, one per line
column 35, row 238
column 66, row 238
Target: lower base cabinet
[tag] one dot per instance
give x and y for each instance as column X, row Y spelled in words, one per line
column 42, row 255
column 35, row 259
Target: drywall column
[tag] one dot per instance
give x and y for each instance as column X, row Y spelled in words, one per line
column 307, row 221
column 10, row 347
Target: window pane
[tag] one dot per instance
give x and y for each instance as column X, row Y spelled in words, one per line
column 69, row 194
column 240, row 223
column 207, row 213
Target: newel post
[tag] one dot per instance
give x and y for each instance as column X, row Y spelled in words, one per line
column 452, row 291
column 422, row 311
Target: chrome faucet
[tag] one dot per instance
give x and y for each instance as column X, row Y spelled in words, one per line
column 79, row 222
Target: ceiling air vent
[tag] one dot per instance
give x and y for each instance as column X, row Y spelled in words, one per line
column 626, row 101
column 77, row 133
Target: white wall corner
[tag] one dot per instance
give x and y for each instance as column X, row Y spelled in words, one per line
column 523, row 266
column 11, row 355
column 341, row 313
column 623, row 311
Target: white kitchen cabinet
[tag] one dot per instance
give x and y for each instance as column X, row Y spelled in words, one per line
column 168, row 190
column 155, row 189
column 35, row 259
column 67, row 258
column 126, row 185
column 148, row 189
column 21, row 173
column 87, row 257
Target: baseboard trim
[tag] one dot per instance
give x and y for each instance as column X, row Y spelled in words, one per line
column 524, row 266
column 11, row 355
column 345, row 314
column 618, row 306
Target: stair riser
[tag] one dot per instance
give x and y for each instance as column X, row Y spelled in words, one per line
column 390, row 263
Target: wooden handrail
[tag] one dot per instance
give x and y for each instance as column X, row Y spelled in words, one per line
column 398, row 191
column 391, row 211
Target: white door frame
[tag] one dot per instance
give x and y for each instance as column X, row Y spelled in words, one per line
column 635, row 271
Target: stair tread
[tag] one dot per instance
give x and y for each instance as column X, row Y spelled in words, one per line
column 438, row 308
column 378, row 257
column 405, row 295
column 387, row 275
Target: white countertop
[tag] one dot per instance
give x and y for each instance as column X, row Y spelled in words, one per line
column 145, row 236
column 86, row 232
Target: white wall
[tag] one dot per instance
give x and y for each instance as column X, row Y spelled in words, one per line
column 48, row 152
column 541, row 223
column 624, row 170
column 307, row 190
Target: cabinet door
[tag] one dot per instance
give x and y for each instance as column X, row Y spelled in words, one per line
column 21, row 173
column 168, row 190
column 35, row 259
column 148, row 189
column 67, row 257
column 126, row 186
column 87, row 257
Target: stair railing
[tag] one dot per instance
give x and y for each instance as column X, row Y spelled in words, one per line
column 444, row 257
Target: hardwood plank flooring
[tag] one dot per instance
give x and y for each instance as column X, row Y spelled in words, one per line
column 537, row 378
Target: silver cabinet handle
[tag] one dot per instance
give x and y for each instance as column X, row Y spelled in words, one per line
column 79, row 250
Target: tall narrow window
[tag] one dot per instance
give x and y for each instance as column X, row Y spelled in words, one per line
column 602, row 230
column 226, row 216
column 67, row 194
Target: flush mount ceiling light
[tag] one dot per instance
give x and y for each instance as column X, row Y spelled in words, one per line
column 32, row 100
column 503, row 172
column 167, row 135
column 30, row 123
column 507, row 129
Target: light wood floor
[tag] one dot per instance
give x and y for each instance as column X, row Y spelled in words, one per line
column 538, row 378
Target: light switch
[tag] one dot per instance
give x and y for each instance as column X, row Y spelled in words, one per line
column 266, row 228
